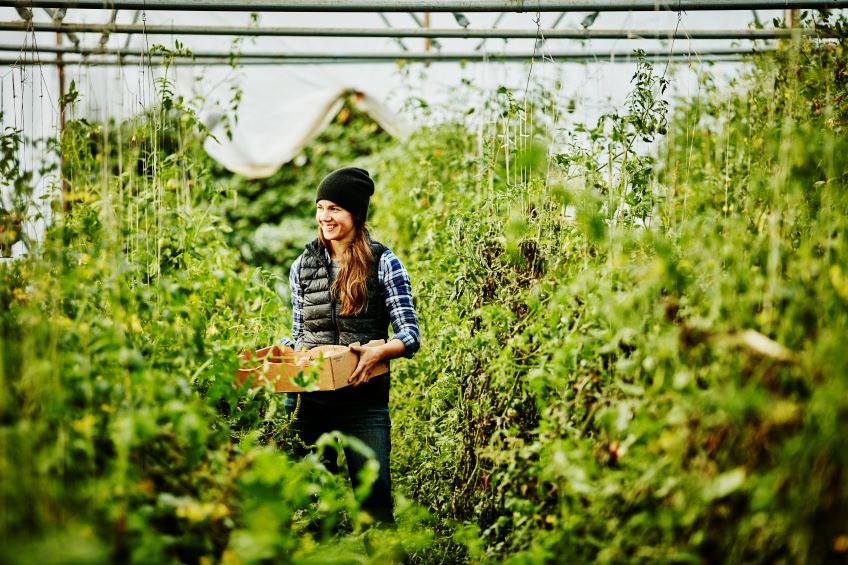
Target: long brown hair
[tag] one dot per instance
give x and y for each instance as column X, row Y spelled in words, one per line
column 350, row 287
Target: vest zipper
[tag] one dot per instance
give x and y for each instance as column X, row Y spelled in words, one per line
column 335, row 325
column 328, row 268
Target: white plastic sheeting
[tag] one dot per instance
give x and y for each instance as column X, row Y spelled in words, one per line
column 283, row 107
column 258, row 151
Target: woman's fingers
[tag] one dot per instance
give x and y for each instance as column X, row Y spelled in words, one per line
column 360, row 375
column 363, row 369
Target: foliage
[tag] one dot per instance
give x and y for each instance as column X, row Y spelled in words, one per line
column 633, row 335
column 607, row 150
column 593, row 389
column 124, row 438
column 19, row 181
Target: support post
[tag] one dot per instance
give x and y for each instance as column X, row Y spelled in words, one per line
column 792, row 18
column 427, row 41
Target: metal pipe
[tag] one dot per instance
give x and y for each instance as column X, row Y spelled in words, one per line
column 420, row 32
column 432, row 5
column 383, row 57
column 219, row 61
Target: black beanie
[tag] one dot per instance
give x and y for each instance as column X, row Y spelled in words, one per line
column 350, row 188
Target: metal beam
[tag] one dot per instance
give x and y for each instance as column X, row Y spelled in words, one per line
column 431, row 5
column 387, row 57
column 343, row 60
column 417, row 32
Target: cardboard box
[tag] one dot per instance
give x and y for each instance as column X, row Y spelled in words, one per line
column 288, row 370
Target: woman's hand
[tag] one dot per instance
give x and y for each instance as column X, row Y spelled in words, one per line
column 370, row 356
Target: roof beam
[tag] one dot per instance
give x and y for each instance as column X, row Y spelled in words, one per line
column 388, row 57
column 455, row 33
column 342, row 60
column 431, row 5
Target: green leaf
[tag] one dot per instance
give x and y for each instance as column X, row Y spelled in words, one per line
column 725, row 484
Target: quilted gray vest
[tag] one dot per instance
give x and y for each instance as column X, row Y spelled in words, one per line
column 322, row 323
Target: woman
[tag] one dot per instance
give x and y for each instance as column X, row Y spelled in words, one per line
column 348, row 288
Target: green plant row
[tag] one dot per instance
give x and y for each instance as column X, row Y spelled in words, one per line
column 633, row 336
column 631, row 358
column 123, row 438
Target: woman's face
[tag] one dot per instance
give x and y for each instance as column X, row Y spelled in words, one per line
column 335, row 222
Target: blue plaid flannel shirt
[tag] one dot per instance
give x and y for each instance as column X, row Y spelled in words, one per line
column 397, row 292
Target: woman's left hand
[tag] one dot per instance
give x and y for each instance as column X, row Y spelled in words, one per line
column 368, row 358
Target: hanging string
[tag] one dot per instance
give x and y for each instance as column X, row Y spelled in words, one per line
column 537, row 20
column 148, row 95
column 551, row 127
column 673, row 37
column 42, row 156
column 22, row 147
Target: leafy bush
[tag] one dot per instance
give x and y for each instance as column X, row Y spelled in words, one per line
column 633, row 336
column 604, row 389
column 124, row 437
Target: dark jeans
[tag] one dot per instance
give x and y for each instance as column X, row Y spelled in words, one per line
column 370, row 424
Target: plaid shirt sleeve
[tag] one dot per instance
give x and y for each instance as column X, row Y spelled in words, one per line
column 297, row 305
column 397, row 293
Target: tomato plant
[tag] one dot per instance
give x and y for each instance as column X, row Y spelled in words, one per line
column 633, row 334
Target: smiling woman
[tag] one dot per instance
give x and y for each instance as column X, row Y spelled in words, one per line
column 335, row 223
column 347, row 289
